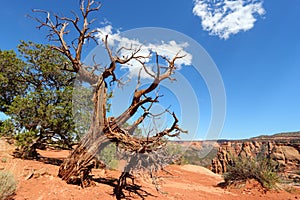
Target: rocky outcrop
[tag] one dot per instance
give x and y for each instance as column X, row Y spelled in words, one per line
column 277, row 154
column 291, row 154
column 286, row 155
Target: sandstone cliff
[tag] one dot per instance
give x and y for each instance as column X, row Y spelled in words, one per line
column 286, row 154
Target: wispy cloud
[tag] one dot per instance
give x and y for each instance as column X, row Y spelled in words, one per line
column 167, row 49
column 227, row 17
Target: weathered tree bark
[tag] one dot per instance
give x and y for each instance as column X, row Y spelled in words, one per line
column 77, row 167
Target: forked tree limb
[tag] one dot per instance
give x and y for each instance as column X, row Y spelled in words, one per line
column 58, row 27
column 144, row 151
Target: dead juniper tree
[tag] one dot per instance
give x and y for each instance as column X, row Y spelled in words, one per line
column 146, row 152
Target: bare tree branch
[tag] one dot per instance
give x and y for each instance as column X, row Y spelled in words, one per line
column 58, row 28
column 144, row 151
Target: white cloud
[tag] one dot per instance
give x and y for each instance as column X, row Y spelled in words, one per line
column 167, row 49
column 227, row 17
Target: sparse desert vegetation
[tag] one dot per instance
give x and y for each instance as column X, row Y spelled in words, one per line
column 8, row 185
column 260, row 169
column 37, row 179
column 60, row 132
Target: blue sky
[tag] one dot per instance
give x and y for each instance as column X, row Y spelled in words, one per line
column 259, row 61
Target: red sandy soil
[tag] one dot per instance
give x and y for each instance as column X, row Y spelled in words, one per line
column 39, row 181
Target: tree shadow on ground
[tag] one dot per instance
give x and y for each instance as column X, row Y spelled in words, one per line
column 132, row 190
column 52, row 161
column 222, row 185
column 38, row 157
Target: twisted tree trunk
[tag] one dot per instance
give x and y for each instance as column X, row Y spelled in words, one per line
column 77, row 167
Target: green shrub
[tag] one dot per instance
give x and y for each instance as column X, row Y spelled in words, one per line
column 27, row 143
column 194, row 156
column 7, row 185
column 260, row 169
column 7, row 128
column 176, row 151
column 109, row 157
